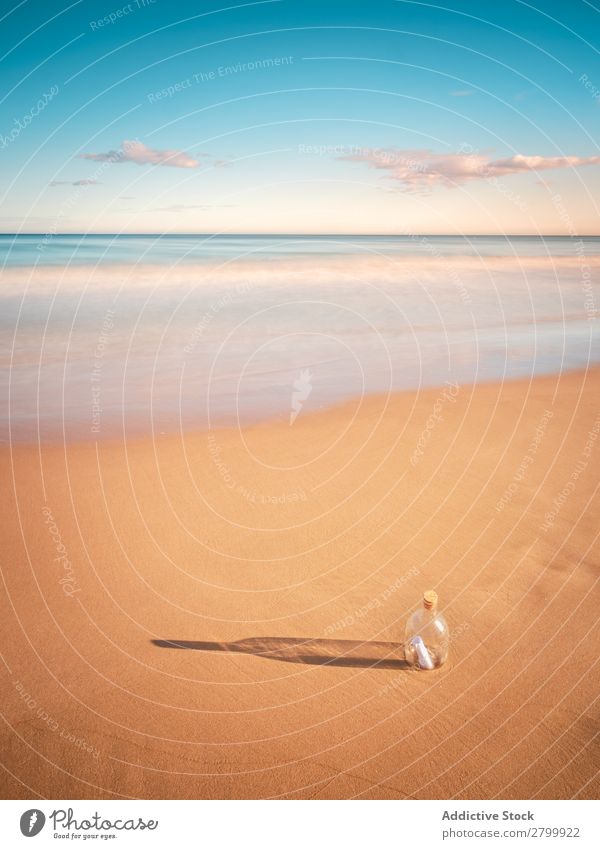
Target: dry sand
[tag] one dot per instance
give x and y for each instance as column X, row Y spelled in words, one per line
column 287, row 559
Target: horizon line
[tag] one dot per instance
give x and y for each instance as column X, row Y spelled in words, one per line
column 321, row 235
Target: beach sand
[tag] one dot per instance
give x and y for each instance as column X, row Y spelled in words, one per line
column 286, row 559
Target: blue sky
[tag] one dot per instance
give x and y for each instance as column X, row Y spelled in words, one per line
column 299, row 116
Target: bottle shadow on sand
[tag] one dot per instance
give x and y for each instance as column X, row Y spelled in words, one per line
column 319, row 652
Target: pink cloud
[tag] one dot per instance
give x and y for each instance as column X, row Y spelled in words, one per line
column 141, row 154
column 422, row 170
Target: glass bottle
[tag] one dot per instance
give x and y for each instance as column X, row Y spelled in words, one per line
column 427, row 638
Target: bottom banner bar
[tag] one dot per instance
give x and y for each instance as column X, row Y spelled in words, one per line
column 296, row 824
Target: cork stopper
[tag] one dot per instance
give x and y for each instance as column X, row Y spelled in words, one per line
column 430, row 599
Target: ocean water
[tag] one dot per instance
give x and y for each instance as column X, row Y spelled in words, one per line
column 102, row 333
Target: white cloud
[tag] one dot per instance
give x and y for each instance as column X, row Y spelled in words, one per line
column 141, row 154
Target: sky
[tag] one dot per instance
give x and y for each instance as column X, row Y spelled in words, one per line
column 296, row 116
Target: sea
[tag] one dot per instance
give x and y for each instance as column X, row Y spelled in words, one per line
column 104, row 335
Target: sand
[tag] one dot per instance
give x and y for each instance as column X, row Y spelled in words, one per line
column 284, row 560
